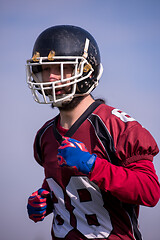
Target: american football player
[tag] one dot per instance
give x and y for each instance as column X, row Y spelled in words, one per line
column 98, row 160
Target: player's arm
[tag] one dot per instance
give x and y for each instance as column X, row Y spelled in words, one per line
column 137, row 183
column 39, row 205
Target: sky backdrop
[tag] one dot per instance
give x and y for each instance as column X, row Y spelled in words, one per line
column 128, row 35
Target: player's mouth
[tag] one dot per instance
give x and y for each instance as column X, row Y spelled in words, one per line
column 59, row 91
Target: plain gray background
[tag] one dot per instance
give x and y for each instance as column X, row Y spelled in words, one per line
column 128, row 35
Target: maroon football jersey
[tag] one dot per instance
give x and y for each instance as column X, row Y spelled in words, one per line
column 103, row 204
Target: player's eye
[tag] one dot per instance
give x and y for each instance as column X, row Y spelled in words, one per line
column 46, row 69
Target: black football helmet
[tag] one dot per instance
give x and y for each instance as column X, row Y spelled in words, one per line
column 61, row 45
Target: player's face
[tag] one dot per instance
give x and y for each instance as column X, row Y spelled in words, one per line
column 52, row 73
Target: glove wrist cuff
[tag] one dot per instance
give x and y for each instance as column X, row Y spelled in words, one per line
column 91, row 161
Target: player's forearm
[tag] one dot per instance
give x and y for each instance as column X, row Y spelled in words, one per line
column 136, row 184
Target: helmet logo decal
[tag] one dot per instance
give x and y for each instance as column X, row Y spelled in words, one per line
column 36, row 57
column 87, row 67
column 51, row 55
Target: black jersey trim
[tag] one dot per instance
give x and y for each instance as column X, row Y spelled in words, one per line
column 104, row 137
column 130, row 209
column 77, row 124
column 38, row 141
column 83, row 117
column 57, row 135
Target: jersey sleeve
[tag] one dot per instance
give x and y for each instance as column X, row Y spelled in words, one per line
column 135, row 184
column 134, row 144
column 134, row 180
column 37, row 146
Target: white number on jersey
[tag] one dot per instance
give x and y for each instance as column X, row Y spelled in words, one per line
column 93, row 220
column 122, row 115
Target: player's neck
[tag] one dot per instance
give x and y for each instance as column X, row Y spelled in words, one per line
column 68, row 118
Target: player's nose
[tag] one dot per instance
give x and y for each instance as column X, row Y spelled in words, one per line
column 55, row 73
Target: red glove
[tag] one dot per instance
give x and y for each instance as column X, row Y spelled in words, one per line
column 38, row 205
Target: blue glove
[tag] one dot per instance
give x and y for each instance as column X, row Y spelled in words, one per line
column 74, row 154
column 37, row 205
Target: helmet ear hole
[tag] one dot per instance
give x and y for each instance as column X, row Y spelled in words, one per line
column 84, row 86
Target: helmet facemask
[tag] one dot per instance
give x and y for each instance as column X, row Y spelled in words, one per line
column 45, row 92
